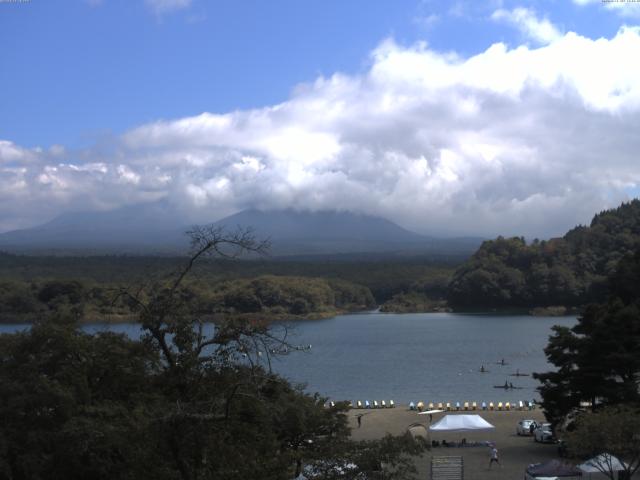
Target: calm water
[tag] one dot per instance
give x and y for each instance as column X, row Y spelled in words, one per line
column 410, row 357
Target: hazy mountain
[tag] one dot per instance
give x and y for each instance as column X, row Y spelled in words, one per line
column 153, row 228
column 148, row 228
column 307, row 233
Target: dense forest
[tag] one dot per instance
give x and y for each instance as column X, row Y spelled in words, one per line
column 570, row 271
column 384, row 276
column 272, row 297
column 87, row 287
column 564, row 273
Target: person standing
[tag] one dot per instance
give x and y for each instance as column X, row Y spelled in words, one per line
column 359, row 417
column 494, row 457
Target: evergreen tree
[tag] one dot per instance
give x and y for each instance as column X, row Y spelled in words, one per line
column 598, row 360
column 570, row 271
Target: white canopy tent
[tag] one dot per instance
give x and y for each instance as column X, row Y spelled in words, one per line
column 461, row 423
column 604, row 462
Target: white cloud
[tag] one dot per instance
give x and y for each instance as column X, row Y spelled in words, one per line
column 11, row 153
column 160, row 7
column 510, row 141
column 623, row 8
column 127, row 175
column 526, row 20
column 427, row 21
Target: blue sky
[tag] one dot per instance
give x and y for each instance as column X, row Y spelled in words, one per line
column 225, row 105
column 76, row 70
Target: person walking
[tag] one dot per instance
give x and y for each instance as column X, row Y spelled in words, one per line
column 494, row 457
column 359, row 417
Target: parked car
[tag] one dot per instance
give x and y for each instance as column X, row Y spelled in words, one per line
column 543, row 433
column 524, row 427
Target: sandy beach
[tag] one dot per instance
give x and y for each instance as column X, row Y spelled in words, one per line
column 515, row 452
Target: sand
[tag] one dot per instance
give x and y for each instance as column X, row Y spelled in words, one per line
column 515, row 452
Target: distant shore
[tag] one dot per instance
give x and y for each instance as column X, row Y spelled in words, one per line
column 555, row 311
column 550, row 311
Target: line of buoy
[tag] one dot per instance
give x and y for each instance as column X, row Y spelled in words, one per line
column 466, row 406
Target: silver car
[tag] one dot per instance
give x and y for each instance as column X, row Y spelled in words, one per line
column 543, row 433
column 524, row 427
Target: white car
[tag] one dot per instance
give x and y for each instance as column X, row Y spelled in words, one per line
column 524, row 427
column 543, row 433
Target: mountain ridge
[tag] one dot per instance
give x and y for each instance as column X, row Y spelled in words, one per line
column 152, row 229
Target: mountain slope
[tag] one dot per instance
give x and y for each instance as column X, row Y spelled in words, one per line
column 138, row 229
column 153, row 229
column 329, row 232
column 294, row 232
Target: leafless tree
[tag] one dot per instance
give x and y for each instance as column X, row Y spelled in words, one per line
column 179, row 333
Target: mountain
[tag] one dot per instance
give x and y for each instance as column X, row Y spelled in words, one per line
column 152, row 228
column 147, row 228
column 329, row 232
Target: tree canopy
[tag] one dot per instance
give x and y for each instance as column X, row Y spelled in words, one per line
column 184, row 402
column 609, row 438
column 597, row 360
column 569, row 271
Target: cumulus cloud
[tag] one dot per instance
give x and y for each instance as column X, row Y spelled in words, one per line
column 526, row 20
column 524, row 141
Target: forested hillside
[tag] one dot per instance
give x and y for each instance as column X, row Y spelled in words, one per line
column 271, row 297
column 568, row 271
column 384, row 276
column 286, row 296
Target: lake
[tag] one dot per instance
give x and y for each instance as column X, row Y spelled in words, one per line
column 410, row 357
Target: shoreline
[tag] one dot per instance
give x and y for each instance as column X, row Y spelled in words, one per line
column 114, row 319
